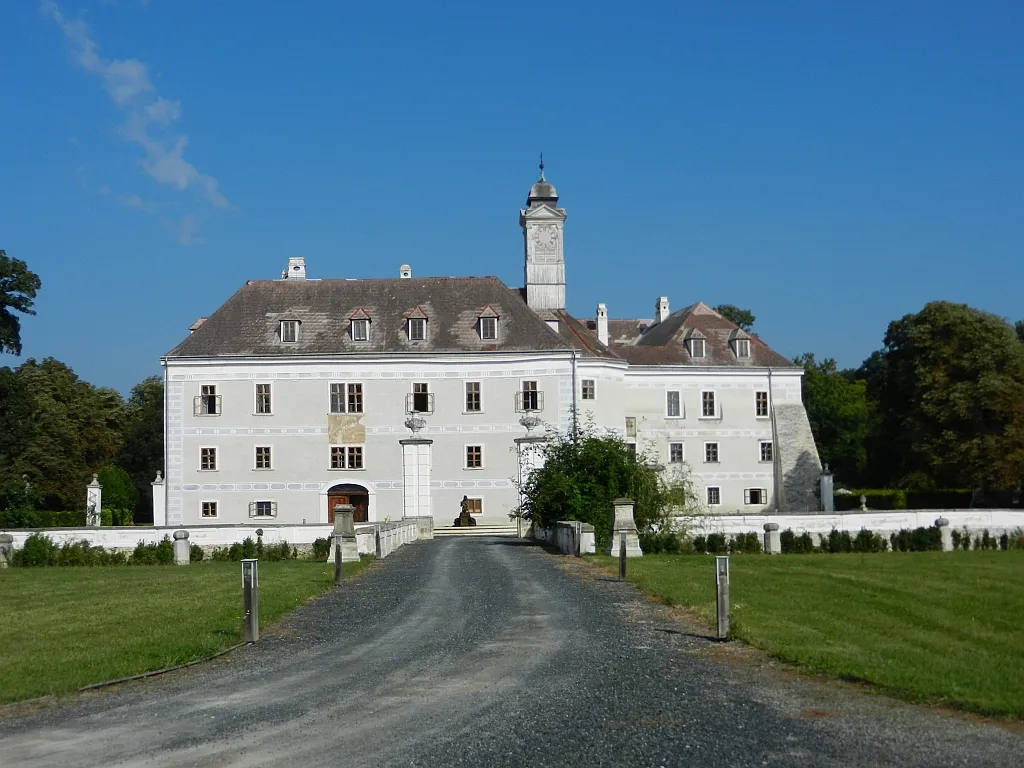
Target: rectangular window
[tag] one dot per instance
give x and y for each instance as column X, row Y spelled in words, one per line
column 475, row 506
column 289, row 330
column 262, row 398
column 473, row 397
column 675, row 452
column 360, row 330
column 707, row 405
column 766, row 450
column 672, row 408
column 531, row 396
column 696, row 348
column 631, row 447
column 589, row 390
column 263, row 457
column 417, row 329
column 421, row 398
column 263, row 508
column 742, row 348
column 208, row 459
column 489, row 328
column 355, row 398
column 208, row 402
column 755, row 496
column 711, row 453
column 474, row 457
column 346, row 398
column 761, row 404
column 209, row 509
column 631, row 426
column 347, row 457
column 714, row 496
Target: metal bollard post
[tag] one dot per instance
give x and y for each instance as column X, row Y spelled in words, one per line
column 337, row 560
column 722, row 585
column 250, row 600
column 622, row 556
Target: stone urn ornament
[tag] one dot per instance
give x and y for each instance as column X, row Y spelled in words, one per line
column 530, row 422
column 415, row 424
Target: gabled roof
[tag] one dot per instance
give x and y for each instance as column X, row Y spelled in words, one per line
column 249, row 322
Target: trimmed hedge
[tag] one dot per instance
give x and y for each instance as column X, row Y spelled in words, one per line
column 898, row 498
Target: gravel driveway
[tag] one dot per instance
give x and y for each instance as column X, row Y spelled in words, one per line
column 486, row 652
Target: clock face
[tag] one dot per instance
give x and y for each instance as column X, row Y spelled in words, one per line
column 546, row 238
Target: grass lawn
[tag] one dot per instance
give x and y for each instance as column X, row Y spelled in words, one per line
column 64, row 628
column 944, row 627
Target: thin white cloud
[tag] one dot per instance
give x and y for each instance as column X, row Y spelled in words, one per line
column 131, row 200
column 148, row 118
column 187, row 229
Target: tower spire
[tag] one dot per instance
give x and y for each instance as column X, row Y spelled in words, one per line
column 541, row 168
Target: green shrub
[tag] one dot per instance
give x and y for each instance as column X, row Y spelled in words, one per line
column 792, row 544
column 717, row 544
column 39, row 551
column 320, row 548
column 745, row 544
column 195, row 554
column 901, row 498
column 115, row 516
column 661, row 542
column 161, row 553
column 917, row 540
column 866, row 541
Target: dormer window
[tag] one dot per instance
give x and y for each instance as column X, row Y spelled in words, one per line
column 741, row 347
column 695, row 346
column 417, row 328
column 289, row 331
column 360, row 329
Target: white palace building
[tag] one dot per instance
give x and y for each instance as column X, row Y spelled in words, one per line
column 402, row 395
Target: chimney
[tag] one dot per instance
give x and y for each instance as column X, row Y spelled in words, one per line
column 405, row 271
column 296, row 269
column 661, row 309
column 602, row 323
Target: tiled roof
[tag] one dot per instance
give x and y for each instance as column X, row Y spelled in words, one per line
column 249, row 322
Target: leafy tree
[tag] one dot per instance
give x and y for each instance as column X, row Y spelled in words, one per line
column 581, row 476
column 142, row 448
column 1019, row 328
column 950, row 383
column 840, row 415
column 118, row 489
column 744, row 318
column 18, row 287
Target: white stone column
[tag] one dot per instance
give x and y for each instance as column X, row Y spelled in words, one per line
column 182, row 555
column 159, row 500
column 947, row 535
column 416, row 477
column 94, row 503
column 772, row 540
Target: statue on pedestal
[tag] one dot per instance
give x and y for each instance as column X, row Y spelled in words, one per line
column 465, row 518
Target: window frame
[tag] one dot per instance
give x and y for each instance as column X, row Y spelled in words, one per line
column 294, row 326
column 254, row 508
column 630, row 426
column 256, row 458
column 479, row 457
column 704, row 404
column 682, row 452
column 770, row 445
column 468, row 395
column 202, row 510
column 742, row 349
column 588, row 385
column 268, row 408
column 359, row 322
column 345, row 396
column 347, row 451
column 530, row 400
column 757, row 404
column 668, row 404
column 717, row 452
column 484, row 322
column 418, row 323
column 216, row 458
column 479, row 504
column 428, row 401
column 718, row 495
column 762, row 494
column 207, row 402
column 691, row 345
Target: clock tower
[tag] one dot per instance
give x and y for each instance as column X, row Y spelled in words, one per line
column 543, row 222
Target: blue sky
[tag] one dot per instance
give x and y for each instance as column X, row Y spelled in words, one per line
column 831, row 166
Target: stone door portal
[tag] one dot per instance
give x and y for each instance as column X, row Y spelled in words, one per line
column 355, row 495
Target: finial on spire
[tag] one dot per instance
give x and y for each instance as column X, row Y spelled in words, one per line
column 541, row 168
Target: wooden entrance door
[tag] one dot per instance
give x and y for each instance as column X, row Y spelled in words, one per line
column 358, row 498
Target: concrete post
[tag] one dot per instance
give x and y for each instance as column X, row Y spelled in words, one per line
column 827, row 491
column 159, row 501
column 863, row 503
column 722, row 596
column 345, row 532
column 250, row 600
column 181, row 548
column 338, row 548
column 6, row 549
column 94, row 503
column 623, row 526
column 947, row 534
column 772, row 540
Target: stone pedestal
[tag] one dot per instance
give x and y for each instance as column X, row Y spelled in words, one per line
column 946, row 533
column 159, row 501
column 416, row 477
column 6, row 549
column 94, row 503
column 827, row 488
column 772, row 541
column 181, row 553
column 344, row 531
column 623, row 527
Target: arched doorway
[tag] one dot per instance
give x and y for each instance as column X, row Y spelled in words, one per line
column 348, row 493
